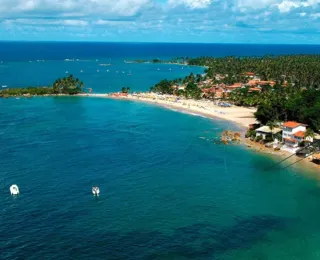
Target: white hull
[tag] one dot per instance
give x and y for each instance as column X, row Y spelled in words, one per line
column 14, row 190
column 95, row 191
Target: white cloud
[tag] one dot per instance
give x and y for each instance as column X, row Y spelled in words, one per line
column 80, row 7
column 44, row 22
column 75, row 22
column 255, row 4
column 286, row 6
column 315, row 16
column 192, row 4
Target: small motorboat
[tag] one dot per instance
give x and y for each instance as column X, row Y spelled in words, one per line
column 95, row 191
column 14, row 190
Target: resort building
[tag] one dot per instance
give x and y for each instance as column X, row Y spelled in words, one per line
column 265, row 132
column 234, row 86
column 293, row 133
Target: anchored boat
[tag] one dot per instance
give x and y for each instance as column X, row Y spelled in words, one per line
column 14, row 190
column 95, row 191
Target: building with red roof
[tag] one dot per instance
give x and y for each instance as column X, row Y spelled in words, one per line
column 293, row 133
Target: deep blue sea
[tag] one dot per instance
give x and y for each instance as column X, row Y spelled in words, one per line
column 168, row 191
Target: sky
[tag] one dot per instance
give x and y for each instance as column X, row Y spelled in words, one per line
column 206, row 21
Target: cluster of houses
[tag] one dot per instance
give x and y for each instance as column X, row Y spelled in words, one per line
column 222, row 90
column 291, row 133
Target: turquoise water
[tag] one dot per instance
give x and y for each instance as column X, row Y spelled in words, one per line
column 166, row 193
column 102, row 79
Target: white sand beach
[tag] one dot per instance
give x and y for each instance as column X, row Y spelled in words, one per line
column 239, row 115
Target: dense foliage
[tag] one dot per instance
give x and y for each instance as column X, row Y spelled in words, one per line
column 26, row 91
column 67, row 85
column 125, row 90
column 163, row 87
column 302, row 70
column 295, row 95
column 282, row 104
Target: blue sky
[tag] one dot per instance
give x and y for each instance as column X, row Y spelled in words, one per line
column 230, row 21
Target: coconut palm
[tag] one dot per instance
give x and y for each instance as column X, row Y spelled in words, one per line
column 309, row 134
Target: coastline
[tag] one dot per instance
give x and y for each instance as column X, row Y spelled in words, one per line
column 239, row 115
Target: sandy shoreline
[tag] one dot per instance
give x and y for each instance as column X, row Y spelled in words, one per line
column 240, row 115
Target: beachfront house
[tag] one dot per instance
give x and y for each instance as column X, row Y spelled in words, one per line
column 293, row 133
column 265, row 132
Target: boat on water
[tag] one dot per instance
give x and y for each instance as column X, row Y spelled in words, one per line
column 95, row 191
column 14, row 190
column 4, row 86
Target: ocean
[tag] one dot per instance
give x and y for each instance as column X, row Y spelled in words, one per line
column 168, row 190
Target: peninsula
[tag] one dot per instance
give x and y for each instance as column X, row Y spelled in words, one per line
column 276, row 98
column 62, row 86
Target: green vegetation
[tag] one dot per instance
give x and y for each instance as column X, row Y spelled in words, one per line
column 295, row 94
column 163, row 87
column 67, row 85
column 125, row 90
column 301, row 70
column 192, row 91
column 177, row 60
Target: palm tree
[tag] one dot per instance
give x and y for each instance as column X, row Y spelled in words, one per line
column 272, row 125
column 309, row 133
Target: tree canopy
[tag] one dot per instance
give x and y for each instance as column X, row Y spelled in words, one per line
column 67, row 85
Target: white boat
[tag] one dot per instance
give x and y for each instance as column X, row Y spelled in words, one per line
column 14, row 190
column 4, row 86
column 95, row 191
column 67, row 72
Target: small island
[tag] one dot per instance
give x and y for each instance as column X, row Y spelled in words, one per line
column 62, row 86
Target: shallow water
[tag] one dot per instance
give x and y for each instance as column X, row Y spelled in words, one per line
column 166, row 193
column 167, row 190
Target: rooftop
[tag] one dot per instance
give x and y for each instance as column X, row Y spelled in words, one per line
column 291, row 140
column 266, row 129
column 291, row 124
column 299, row 134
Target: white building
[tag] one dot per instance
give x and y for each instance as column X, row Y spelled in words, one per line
column 293, row 133
column 265, row 131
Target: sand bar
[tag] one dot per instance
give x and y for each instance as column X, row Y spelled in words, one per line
column 240, row 115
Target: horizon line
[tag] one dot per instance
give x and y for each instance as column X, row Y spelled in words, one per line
column 137, row 42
